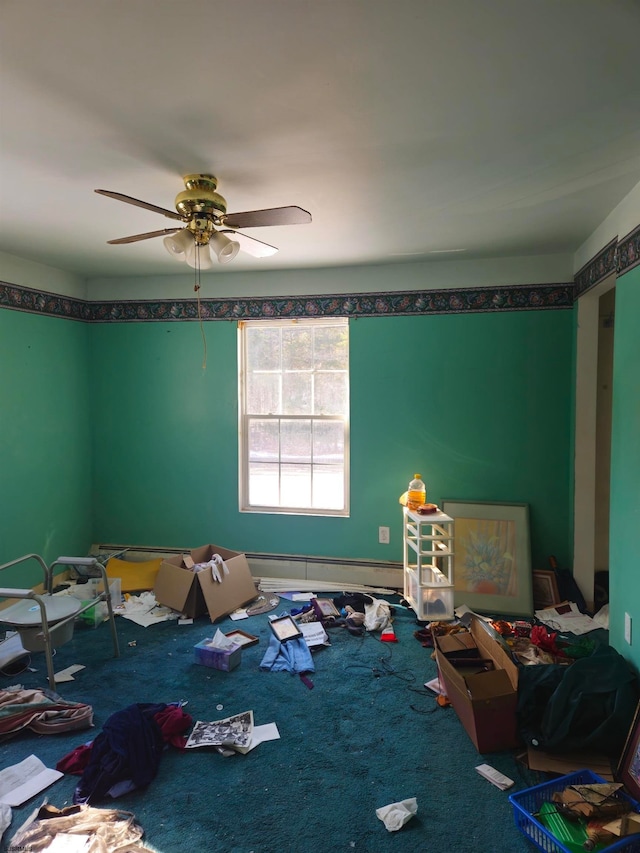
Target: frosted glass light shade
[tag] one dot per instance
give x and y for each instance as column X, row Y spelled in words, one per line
column 199, row 257
column 225, row 249
column 179, row 244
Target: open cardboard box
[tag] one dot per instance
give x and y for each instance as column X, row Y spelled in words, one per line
column 485, row 702
column 196, row 593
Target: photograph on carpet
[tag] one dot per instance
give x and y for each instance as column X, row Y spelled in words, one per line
column 234, row 732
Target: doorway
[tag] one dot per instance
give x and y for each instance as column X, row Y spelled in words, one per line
column 594, row 396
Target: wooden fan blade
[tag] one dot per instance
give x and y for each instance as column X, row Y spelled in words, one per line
column 272, row 216
column 129, row 200
column 146, row 236
column 249, row 244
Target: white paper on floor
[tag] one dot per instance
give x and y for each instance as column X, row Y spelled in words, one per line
column 314, row 634
column 68, row 673
column 261, row 734
column 144, row 610
column 22, row 781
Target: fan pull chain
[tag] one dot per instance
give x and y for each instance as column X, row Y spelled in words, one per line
column 197, row 291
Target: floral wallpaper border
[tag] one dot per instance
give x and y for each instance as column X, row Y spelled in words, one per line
column 41, row 302
column 629, row 251
column 617, row 256
column 468, row 300
column 597, row 269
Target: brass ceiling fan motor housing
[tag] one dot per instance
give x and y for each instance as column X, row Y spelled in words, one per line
column 200, row 198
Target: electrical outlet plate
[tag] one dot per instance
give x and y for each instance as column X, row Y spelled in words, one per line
column 383, row 535
column 627, row 627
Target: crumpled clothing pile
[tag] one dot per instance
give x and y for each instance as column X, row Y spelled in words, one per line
column 42, row 711
column 377, row 613
column 293, row 656
column 106, row 830
column 127, row 752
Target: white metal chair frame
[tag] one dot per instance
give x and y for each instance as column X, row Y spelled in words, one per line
column 13, row 592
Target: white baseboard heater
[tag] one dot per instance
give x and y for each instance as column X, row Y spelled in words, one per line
column 331, row 569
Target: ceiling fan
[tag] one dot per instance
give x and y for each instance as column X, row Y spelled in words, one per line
column 208, row 227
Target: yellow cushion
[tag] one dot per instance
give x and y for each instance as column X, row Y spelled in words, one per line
column 134, row 576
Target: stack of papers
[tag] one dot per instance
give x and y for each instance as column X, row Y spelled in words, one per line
column 567, row 619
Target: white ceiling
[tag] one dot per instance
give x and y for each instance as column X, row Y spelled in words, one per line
column 408, row 128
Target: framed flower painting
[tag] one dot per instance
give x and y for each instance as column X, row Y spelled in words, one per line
column 492, row 557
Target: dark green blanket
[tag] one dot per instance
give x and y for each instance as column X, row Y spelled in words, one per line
column 588, row 706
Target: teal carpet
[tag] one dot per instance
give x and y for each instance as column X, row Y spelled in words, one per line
column 366, row 735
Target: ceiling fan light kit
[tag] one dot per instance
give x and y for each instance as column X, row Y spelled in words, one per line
column 204, row 212
column 199, row 257
column 225, row 249
column 179, row 243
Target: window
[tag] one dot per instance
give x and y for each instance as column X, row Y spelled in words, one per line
column 294, row 416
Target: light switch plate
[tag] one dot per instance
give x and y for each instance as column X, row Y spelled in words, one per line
column 627, row 627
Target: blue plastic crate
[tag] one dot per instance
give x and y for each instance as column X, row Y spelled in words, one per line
column 526, row 805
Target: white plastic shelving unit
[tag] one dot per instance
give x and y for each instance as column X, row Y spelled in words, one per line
column 428, row 564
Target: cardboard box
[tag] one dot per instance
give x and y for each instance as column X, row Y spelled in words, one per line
column 225, row 659
column 568, row 762
column 485, row 702
column 196, row 593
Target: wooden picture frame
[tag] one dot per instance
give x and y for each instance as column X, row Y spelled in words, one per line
column 285, row 628
column 545, row 589
column 324, row 608
column 628, row 771
column 492, row 557
column 242, row 638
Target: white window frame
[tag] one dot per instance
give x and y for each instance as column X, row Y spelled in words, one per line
column 244, row 418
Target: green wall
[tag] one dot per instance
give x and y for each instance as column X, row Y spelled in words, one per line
column 480, row 404
column 624, row 550
column 45, row 429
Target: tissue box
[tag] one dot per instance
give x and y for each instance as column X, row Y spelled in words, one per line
column 217, row 658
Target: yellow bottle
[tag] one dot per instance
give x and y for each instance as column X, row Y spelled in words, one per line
column 417, row 494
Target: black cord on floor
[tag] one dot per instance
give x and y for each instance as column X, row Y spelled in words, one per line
column 385, row 669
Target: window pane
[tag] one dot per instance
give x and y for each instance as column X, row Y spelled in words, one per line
column 264, row 441
column 263, row 348
column 331, row 348
column 328, row 489
column 297, row 348
column 295, row 441
column 330, row 394
column 263, row 394
column 296, row 393
column 328, row 443
column 296, row 486
column 264, row 484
